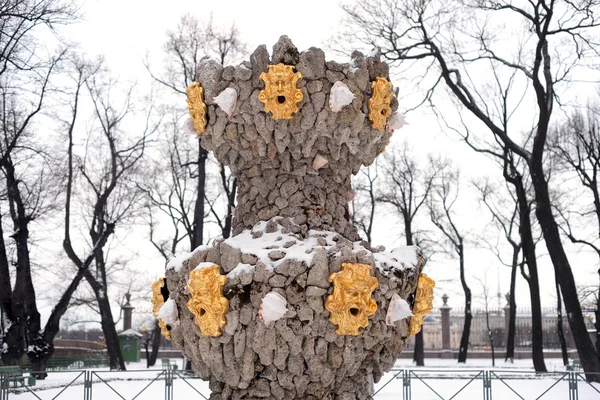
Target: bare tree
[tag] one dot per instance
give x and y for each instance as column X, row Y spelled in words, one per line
column 106, row 173
column 406, row 188
column 365, row 201
column 185, row 48
column 505, row 221
column 441, row 202
column 486, row 299
column 28, row 190
column 455, row 41
column 576, row 146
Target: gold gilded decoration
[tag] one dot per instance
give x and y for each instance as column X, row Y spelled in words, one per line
column 379, row 103
column 196, row 106
column 280, row 95
column 352, row 303
column 157, row 302
column 423, row 303
column 208, row 303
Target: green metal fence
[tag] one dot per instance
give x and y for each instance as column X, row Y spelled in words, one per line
column 399, row 384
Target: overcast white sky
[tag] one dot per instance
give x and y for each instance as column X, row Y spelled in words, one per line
column 124, row 31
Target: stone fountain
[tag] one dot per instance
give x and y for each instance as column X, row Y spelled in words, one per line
column 294, row 305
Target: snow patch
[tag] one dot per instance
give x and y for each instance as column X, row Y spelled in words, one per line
column 240, row 269
column 400, row 258
column 272, row 308
column 398, row 309
column 340, row 96
column 227, row 100
column 168, row 312
column 177, row 261
column 352, row 66
column 203, row 265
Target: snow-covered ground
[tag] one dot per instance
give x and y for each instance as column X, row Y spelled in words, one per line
column 446, row 377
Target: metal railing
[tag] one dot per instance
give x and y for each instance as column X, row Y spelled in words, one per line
column 399, row 384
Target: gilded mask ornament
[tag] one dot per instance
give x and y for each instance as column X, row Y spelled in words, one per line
column 280, row 95
column 196, row 106
column 379, row 103
column 208, row 303
column 352, row 303
column 159, row 293
column 423, row 303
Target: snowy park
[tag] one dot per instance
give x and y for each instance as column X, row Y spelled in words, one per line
column 338, row 200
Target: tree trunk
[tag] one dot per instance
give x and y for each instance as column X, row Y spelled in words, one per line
column 53, row 326
column 464, row 339
column 13, row 340
column 559, row 324
column 196, row 239
column 156, row 336
column 585, row 348
column 512, row 309
column 490, row 334
column 419, row 354
column 106, row 320
column 525, row 231
column 110, row 334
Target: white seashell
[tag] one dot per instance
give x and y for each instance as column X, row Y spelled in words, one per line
column 188, row 127
column 398, row 309
column 340, row 96
column 272, row 308
column 319, row 162
column 168, row 312
column 227, row 100
column 396, row 121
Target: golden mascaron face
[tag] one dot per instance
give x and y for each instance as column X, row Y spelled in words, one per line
column 157, row 302
column 280, row 95
column 423, row 303
column 352, row 303
column 208, row 303
column 379, row 103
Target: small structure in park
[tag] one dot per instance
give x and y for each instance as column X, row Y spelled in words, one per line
column 294, row 305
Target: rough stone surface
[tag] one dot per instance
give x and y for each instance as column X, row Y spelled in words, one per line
column 291, row 230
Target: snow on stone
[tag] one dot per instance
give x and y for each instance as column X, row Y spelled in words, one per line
column 240, row 269
column 352, row 66
column 340, row 96
column 177, row 261
column 203, row 265
column 168, row 312
column 399, row 258
column 5, row 347
column 397, row 310
column 396, row 121
column 261, row 244
column 273, row 307
column 227, row 100
column 301, row 250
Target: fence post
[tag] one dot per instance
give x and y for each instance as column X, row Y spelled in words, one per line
column 406, row 392
column 4, row 386
column 168, row 383
column 573, row 390
column 445, row 310
column 87, row 385
column 487, row 385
